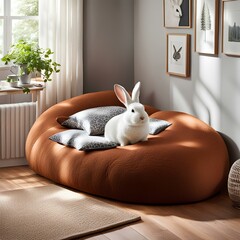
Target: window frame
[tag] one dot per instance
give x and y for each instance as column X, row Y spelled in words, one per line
column 7, row 27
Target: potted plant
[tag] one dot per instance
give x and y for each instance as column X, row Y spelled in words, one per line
column 31, row 59
column 12, row 80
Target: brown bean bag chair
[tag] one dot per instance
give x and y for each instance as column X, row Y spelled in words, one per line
column 187, row 162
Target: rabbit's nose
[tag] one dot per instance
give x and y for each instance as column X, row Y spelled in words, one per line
column 142, row 118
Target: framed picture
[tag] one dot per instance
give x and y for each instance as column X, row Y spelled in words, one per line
column 206, row 26
column 177, row 13
column 178, row 54
column 231, row 27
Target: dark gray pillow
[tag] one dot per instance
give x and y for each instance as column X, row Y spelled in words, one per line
column 93, row 120
column 80, row 140
column 157, row 125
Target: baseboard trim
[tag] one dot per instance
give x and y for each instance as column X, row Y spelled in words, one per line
column 13, row 162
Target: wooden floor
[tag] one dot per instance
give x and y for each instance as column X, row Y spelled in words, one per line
column 214, row 218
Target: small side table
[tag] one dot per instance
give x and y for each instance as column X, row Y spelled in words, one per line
column 5, row 89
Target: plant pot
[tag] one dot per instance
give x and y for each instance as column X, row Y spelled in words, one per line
column 25, row 79
column 24, row 75
column 12, row 80
column 13, row 84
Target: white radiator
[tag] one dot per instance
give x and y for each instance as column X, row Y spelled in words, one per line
column 15, row 122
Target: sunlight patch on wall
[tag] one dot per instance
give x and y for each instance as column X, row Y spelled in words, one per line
column 206, row 100
column 210, row 75
column 181, row 97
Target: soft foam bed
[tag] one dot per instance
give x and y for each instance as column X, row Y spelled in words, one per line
column 187, row 162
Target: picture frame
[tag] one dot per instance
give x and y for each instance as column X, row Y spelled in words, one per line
column 178, row 54
column 177, row 13
column 231, row 27
column 206, row 26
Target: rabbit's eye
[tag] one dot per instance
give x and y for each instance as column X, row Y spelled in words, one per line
column 133, row 111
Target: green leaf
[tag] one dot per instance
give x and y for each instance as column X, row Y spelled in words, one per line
column 34, row 57
column 26, row 90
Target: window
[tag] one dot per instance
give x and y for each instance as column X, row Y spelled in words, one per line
column 18, row 20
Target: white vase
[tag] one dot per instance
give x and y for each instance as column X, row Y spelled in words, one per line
column 234, row 184
column 24, row 77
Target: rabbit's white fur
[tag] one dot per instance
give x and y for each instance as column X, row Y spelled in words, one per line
column 132, row 126
column 173, row 12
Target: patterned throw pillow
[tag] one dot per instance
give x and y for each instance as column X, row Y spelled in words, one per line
column 157, row 125
column 93, row 120
column 80, row 140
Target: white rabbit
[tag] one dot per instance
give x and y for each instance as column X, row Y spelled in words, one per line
column 132, row 126
column 173, row 12
column 176, row 7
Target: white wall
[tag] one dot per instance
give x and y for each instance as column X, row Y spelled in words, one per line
column 212, row 93
column 108, row 44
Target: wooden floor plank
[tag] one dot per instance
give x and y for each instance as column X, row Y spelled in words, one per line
column 7, row 185
column 153, row 230
column 126, row 233
column 100, row 237
column 214, row 218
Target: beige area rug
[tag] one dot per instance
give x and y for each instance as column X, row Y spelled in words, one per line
column 52, row 212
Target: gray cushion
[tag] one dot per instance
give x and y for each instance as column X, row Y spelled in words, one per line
column 80, row 140
column 93, row 120
column 157, row 125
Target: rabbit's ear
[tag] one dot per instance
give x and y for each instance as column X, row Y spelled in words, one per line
column 136, row 92
column 172, row 2
column 175, row 50
column 180, row 2
column 179, row 50
column 122, row 95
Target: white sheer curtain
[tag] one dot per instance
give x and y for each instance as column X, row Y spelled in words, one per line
column 61, row 29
